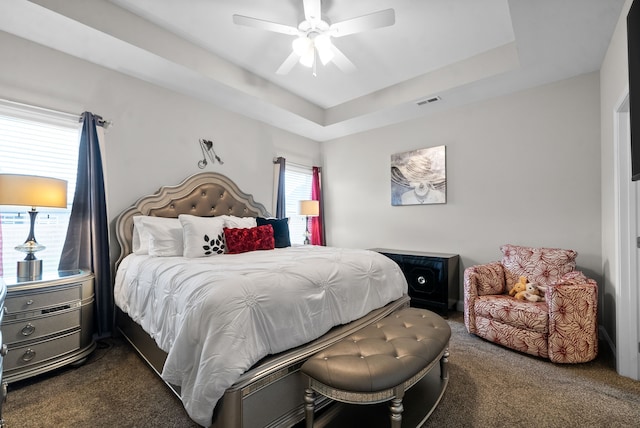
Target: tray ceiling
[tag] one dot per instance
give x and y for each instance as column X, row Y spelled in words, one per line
column 461, row 51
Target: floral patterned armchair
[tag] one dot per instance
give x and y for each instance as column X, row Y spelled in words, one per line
column 562, row 328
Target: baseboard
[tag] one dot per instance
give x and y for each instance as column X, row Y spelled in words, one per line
column 604, row 337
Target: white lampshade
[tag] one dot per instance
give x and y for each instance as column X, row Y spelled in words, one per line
column 308, row 58
column 32, row 191
column 301, row 45
column 323, row 46
column 310, row 208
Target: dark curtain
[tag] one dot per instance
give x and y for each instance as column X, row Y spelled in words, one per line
column 317, row 223
column 281, row 207
column 87, row 242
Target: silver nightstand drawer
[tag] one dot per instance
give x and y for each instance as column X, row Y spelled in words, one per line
column 47, row 323
column 35, row 301
column 17, row 331
column 36, row 353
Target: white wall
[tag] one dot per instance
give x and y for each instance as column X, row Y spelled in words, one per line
column 521, row 169
column 155, row 132
column 614, row 84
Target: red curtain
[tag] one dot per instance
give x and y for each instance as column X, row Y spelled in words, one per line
column 317, row 223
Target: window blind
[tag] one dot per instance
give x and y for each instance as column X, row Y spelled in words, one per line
column 36, row 141
column 297, row 188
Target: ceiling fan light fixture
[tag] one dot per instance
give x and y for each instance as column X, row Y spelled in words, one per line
column 323, row 46
column 314, row 35
column 301, row 45
column 308, row 58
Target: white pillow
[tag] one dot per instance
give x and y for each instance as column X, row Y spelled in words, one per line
column 165, row 241
column 135, row 238
column 141, row 236
column 202, row 236
column 234, row 222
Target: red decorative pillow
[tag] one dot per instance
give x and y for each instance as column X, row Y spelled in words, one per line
column 265, row 239
column 249, row 239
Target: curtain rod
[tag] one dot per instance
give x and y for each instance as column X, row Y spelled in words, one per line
column 99, row 121
column 38, row 109
column 299, row 165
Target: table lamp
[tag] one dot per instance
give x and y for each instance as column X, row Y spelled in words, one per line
column 309, row 209
column 33, row 191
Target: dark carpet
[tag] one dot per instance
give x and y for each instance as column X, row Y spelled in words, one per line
column 489, row 386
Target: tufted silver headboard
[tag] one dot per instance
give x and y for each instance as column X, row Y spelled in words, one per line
column 207, row 194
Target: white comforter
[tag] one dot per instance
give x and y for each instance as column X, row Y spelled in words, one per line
column 217, row 316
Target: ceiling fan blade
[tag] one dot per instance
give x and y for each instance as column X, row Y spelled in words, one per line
column 265, row 25
column 288, row 64
column 383, row 18
column 341, row 61
column 312, row 10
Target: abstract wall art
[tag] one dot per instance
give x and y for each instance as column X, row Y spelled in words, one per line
column 419, row 177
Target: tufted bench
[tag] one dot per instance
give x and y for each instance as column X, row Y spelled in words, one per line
column 380, row 362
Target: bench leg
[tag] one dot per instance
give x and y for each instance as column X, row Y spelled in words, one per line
column 396, row 407
column 444, row 365
column 309, row 407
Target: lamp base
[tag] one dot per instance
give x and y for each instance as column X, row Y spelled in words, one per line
column 29, row 270
column 306, row 232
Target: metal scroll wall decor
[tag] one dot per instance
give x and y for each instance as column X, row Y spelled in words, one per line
column 207, row 151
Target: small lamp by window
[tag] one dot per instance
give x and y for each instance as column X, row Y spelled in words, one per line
column 309, row 209
column 33, row 191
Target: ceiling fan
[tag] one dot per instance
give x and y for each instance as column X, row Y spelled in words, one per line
column 313, row 35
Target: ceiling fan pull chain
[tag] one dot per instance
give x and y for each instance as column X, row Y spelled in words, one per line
column 315, row 62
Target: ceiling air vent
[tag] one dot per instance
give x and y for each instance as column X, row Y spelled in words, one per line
column 428, row 101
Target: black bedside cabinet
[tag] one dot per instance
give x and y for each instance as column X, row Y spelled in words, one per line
column 433, row 278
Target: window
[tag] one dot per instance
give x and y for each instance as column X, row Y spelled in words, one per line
column 297, row 188
column 36, row 141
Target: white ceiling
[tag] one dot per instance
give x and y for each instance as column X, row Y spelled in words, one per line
column 383, row 57
column 460, row 50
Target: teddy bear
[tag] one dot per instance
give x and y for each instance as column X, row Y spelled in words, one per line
column 519, row 287
column 534, row 292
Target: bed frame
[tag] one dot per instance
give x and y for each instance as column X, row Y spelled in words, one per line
column 270, row 394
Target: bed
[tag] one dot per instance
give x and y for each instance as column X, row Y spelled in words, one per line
column 270, row 309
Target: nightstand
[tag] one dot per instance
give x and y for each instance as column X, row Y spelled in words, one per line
column 47, row 323
column 433, row 278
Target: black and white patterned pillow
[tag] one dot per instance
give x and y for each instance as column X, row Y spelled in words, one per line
column 202, row 236
column 214, row 246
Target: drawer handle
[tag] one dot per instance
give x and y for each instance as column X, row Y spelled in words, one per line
column 28, row 355
column 29, row 302
column 28, row 329
column 4, row 350
column 422, row 280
